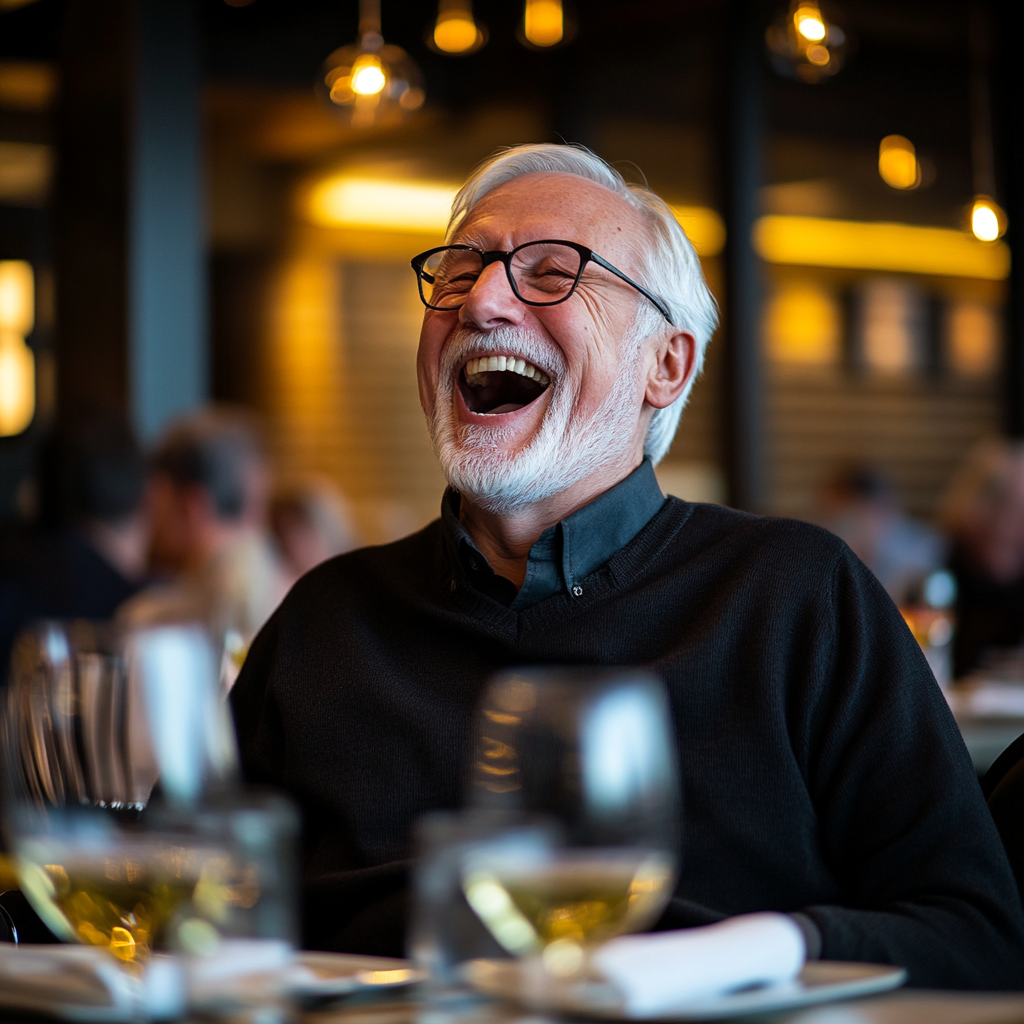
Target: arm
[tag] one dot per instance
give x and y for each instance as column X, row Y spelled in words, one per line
column 903, row 825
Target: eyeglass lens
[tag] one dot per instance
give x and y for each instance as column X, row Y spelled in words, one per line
column 543, row 272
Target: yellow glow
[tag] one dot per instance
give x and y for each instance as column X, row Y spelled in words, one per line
column 988, row 222
column 984, row 223
column 818, row 55
column 803, row 325
column 368, row 77
column 544, row 22
column 386, row 205
column 17, row 384
column 455, row 32
column 820, row 242
column 17, row 297
column 897, row 162
column 703, row 227
column 810, row 24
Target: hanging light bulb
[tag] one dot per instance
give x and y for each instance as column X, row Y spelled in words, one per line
column 371, row 82
column 455, row 32
column 898, row 165
column 546, row 23
column 806, row 44
column 987, row 219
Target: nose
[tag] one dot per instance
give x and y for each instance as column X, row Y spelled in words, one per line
column 491, row 302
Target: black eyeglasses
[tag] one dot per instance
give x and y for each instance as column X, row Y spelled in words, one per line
column 542, row 273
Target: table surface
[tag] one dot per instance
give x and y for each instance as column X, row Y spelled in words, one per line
column 908, row 1006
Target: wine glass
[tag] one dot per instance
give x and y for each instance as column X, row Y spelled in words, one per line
column 94, row 717
column 591, row 752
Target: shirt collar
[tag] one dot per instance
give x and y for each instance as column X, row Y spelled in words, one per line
column 567, row 552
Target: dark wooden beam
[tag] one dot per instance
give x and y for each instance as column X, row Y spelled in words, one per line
column 742, row 166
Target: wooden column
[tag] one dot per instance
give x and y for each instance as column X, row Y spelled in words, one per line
column 130, row 260
column 1009, row 144
column 742, row 153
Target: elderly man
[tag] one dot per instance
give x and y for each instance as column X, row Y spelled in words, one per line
column 823, row 773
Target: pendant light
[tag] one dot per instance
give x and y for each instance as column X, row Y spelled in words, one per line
column 806, row 42
column 371, row 82
column 456, row 33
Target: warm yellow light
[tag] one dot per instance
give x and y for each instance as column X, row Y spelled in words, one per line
column 421, row 206
column 17, row 297
column 544, row 22
column 803, row 325
column 703, row 226
column 368, row 77
column 897, row 162
column 810, row 24
column 821, row 242
column 988, row 222
column 818, row 55
column 17, row 384
column 456, row 32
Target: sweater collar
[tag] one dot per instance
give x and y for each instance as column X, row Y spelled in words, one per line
column 565, row 553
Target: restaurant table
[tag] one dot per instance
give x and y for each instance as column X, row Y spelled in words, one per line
column 906, row 1006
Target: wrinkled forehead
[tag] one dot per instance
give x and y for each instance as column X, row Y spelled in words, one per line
column 563, row 206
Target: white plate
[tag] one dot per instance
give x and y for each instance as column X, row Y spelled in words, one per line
column 819, row 982
column 328, row 975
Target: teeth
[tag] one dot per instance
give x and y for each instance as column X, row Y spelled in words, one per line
column 494, row 364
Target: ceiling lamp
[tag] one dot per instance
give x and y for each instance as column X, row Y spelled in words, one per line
column 545, row 24
column 806, row 44
column 897, row 162
column 455, row 32
column 372, row 82
column 988, row 221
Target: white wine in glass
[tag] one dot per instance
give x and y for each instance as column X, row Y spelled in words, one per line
column 590, row 751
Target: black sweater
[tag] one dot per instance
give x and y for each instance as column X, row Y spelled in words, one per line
column 822, row 770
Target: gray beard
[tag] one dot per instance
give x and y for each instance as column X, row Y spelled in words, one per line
column 567, row 448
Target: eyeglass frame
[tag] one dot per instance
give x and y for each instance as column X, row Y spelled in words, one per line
column 490, row 256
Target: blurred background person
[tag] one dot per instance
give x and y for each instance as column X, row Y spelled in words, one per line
column 86, row 553
column 983, row 515
column 311, row 521
column 859, row 504
column 207, row 497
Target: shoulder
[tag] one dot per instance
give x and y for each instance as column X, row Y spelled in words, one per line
column 756, row 540
column 407, row 563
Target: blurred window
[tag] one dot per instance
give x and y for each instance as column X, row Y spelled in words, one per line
column 972, row 339
column 892, row 327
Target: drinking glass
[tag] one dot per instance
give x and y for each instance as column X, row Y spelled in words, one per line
column 94, row 717
column 590, row 751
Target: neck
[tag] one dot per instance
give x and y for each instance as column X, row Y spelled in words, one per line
column 505, row 540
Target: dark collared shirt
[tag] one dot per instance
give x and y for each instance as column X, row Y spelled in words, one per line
column 564, row 553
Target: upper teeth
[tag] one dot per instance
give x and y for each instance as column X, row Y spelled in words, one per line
column 489, row 364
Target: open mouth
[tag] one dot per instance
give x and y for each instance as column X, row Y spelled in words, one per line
column 491, row 385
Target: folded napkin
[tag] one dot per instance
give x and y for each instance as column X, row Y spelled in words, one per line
column 80, row 983
column 657, row 973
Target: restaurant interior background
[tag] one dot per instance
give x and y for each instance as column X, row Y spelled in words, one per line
column 184, row 215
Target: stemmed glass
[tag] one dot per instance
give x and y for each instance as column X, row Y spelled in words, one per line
column 587, row 758
column 94, row 717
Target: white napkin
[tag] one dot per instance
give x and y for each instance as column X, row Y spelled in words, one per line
column 657, row 973
column 73, row 982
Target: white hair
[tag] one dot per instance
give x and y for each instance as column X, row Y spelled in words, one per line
column 670, row 267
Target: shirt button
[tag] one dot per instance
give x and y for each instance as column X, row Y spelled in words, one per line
column 473, row 564
column 577, row 591
column 455, row 585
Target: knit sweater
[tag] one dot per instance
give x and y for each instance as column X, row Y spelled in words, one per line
column 822, row 770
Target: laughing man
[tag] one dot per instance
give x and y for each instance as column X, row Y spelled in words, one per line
column 824, row 777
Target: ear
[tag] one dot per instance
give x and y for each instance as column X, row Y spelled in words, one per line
column 675, row 359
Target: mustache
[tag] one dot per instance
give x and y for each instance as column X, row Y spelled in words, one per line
column 529, row 346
